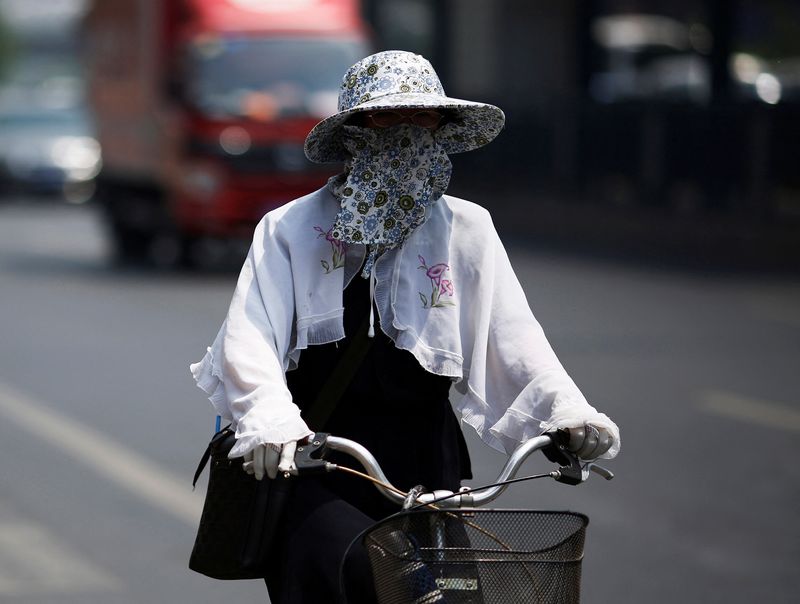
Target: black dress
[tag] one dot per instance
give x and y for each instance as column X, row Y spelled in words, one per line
column 402, row 414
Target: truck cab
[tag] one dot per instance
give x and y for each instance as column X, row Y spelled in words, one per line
column 202, row 108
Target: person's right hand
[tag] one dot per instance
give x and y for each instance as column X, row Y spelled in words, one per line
column 589, row 441
column 270, row 459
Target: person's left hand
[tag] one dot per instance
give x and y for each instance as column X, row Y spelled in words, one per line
column 589, row 441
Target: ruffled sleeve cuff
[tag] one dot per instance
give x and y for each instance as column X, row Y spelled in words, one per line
column 515, row 427
column 209, row 379
column 277, row 422
column 273, row 424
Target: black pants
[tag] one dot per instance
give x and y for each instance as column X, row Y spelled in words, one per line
column 319, row 528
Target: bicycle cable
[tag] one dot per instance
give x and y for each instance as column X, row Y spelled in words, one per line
column 385, row 485
column 443, row 498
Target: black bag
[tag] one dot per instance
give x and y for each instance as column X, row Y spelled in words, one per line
column 241, row 516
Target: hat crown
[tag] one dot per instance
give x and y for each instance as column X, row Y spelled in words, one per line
column 385, row 74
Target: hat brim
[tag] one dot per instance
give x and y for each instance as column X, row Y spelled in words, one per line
column 473, row 124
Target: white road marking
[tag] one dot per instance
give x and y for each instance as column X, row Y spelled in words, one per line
column 33, row 561
column 779, row 416
column 125, row 467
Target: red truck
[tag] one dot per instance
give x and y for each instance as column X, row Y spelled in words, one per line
column 201, row 109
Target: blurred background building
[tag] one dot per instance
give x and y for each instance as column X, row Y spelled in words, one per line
column 649, row 126
column 668, row 127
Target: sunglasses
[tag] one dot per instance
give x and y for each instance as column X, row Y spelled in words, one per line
column 426, row 118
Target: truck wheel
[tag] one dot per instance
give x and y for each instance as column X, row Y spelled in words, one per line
column 166, row 250
column 205, row 253
column 130, row 246
column 156, row 250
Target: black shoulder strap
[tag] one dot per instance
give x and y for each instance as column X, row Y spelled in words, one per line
column 215, row 442
column 331, row 392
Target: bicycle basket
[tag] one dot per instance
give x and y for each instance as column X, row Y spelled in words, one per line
column 477, row 557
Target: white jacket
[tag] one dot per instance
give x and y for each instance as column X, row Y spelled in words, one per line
column 448, row 295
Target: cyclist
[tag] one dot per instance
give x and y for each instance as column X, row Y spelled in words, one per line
column 382, row 251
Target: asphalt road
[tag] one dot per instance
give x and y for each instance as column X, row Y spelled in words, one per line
column 101, row 426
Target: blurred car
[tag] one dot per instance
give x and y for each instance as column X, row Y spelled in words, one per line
column 48, row 152
column 650, row 57
column 770, row 81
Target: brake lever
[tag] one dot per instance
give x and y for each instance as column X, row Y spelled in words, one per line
column 577, row 471
column 600, row 470
column 573, row 472
column 309, row 458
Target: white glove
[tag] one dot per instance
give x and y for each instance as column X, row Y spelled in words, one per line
column 589, row 441
column 270, row 458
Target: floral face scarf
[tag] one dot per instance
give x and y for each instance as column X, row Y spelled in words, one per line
column 392, row 178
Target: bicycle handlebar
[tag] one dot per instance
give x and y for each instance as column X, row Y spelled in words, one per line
column 310, row 459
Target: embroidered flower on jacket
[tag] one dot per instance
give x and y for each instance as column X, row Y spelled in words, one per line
column 440, row 287
column 338, row 249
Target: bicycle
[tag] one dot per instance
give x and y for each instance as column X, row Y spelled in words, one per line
column 442, row 548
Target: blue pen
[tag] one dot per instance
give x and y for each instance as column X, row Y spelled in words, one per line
column 217, row 424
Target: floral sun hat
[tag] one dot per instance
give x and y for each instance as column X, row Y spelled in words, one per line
column 396, row 79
